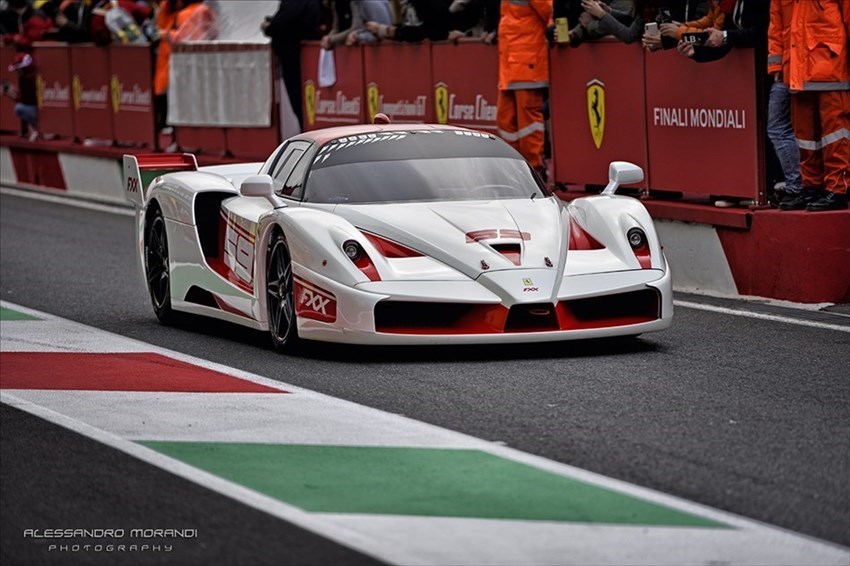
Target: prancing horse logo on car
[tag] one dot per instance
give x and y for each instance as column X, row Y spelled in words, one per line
column 528, row 285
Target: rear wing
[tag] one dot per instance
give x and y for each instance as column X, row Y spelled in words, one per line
column 140, row 170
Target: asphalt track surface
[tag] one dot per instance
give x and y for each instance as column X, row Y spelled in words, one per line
column 745, row 415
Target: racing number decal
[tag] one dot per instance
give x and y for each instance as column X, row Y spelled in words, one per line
column 239, row 243
column 314, row 302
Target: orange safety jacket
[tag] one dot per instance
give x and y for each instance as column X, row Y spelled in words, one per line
column 819, row 45
column 523, row 51
column 193, row 23
column 165, row 20
column 713, row 19
column 779, row 38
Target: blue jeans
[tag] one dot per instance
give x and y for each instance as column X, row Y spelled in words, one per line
column 27, row 113
column 781, row 135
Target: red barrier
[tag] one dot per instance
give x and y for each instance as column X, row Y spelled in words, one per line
column 8, row 120
column 131, row 82
column 462, row 98
column 252, row 143
column 197, row 139
column 90, row 92
column 53, row 83
column 398, row 81
column 597, row 110
column 702, row 124
column 338, row 105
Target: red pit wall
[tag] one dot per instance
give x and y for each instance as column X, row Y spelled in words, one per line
column 796, row 256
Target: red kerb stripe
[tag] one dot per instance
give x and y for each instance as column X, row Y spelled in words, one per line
column 116, row 372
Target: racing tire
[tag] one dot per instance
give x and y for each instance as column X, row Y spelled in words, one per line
column 280, row 296
column 157, row 271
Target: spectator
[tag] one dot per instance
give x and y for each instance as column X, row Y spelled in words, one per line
column 379, row 12
column 779, row 128
column 194, row 22
column 166, row 19
column 178, row 21
column 25, row 93
column 587, row 27
column 120, row 21
column 73, row 20
column 744, row 25
column 523, row 77
column 31, row 25
column 712, row 20
column 294, row 20
column 684, row 10
column 435, row 20
column 819, row 78
column 625, row 26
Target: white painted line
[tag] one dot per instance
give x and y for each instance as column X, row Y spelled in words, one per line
column 67, row 201
column 762, row 316
column 556, row 543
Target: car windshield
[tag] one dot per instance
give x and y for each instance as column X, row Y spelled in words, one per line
column 421, row 167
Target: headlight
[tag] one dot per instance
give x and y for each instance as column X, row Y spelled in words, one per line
column 636, row 237
column 352, row 249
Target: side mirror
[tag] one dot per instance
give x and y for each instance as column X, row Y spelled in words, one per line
column 622, row 173
column 257, row 186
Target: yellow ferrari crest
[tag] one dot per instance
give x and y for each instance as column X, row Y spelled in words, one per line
column 441, row 103
column 527, row 281
column 76, row 89
column 310, row 101
column 596, row 110
column 115, row 88
column 373, row 96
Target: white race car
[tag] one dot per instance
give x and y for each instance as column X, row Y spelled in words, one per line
column 396, row 234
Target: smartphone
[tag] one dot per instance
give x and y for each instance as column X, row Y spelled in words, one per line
column 562, row 30
column 651, row 29
column 695, row 38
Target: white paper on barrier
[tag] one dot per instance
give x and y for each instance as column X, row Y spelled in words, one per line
column 327, row 68
column 220, row 88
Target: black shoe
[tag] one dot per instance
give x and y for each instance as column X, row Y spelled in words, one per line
column 830, row 201
column 796, row 201
column 799, row 201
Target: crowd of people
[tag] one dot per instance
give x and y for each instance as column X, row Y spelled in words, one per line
column 159, row 23
column 801, row 49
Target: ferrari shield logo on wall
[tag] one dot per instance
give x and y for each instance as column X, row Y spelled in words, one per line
column 596, row 110
column 310, row 101
column 373, row 97
column 441, row 103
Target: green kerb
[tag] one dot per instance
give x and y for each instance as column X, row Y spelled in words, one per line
column 418, row 481
column 9, row 314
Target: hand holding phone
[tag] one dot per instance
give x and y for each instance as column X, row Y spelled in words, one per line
column 651, row 30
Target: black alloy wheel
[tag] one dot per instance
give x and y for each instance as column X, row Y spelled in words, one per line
column 280, row 295
column 157, row 267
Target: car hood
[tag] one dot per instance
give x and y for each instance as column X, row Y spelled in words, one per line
column 472, row 236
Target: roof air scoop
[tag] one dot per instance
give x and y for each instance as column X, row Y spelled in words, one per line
column 381, row 118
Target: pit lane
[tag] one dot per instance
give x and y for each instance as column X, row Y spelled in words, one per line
column 749, row 415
